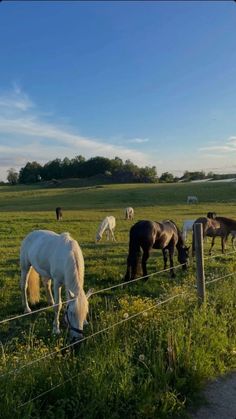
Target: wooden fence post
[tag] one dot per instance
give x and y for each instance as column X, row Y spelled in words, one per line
column 200, row 274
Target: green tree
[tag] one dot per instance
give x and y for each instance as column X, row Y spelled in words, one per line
column 166, row 177
column 12, row 176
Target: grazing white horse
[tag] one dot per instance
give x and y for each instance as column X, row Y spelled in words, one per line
column 129, row 213
column 187, row 227
column 192, row 199
column 107, row 225
column 57, row 257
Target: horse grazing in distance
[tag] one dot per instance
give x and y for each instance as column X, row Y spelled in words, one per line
column 59, row 213
column 107, row 225
column 129, row 213
column 215, row 227
column 147, row 235
column 227, row 227
column 59, row 258
column 192, row 199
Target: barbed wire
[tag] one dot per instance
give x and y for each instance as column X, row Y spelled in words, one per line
column 123, row 320
column 158, row 303
column 92, row 293
column 220, row 277
column 218, row 255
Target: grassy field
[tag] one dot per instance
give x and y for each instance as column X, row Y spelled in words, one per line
column 151, row 366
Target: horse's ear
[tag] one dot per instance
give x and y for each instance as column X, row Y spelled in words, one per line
column 90, row 292
column 71, row 294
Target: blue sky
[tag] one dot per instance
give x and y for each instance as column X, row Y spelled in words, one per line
column 154, row 82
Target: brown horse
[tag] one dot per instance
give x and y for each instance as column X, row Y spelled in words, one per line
column 227, row 227
column 58, row 213
column 147, row 235
column 216, row 227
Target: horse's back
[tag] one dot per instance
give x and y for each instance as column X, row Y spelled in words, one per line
column 111, row 221
column 47, row 251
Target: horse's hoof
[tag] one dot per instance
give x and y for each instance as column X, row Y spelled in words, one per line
column 27, row 310
column 56, row 332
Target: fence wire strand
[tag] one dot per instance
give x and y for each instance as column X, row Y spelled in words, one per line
column 92, row 293
column 71, row 345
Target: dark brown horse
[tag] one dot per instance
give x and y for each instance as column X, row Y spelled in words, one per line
column 147, row 235
column 216, row 227
column 59, row 213
column 227, row 227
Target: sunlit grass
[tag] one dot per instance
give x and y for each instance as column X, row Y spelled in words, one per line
column 151, row 366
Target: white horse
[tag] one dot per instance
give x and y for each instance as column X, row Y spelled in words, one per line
column 107, row 225
column 57, row 257
column 192, row 199
column 129, row 213
column 187, row 227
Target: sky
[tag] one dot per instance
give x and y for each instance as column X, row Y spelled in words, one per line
column 153, row 82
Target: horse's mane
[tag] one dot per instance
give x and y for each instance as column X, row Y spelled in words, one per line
column 66, row 237
column 180, row 237
column 75, row 265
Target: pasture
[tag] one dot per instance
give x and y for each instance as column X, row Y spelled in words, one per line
column 149, row 366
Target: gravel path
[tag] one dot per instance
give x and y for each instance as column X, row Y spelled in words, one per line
column 221, row 399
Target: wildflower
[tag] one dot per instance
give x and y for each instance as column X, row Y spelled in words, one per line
column 126, row 315
column 141, row 357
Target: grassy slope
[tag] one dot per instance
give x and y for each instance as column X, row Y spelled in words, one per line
column 181, row 345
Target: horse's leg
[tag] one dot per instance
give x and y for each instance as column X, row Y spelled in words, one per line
column 233, row 241
column 223, row 243
column 165, row 257
column 146, row 254
column 47, row 282
column 57, row 308
column 171, row 254
column 23, row 286
column 212, row 244
column 113, row 236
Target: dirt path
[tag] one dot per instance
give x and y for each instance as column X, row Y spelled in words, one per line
column 221, row 399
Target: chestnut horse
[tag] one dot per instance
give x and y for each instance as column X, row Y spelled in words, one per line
column 216, row 227
column 147, row 235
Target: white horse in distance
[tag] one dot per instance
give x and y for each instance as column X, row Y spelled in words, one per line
column 59, row 258
column 107, row 225
column 187, row 228
column 192, row 199
column 129, row 213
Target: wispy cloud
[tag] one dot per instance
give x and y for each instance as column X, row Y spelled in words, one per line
column 227, row 146
column 21, row 121
column 138, row 140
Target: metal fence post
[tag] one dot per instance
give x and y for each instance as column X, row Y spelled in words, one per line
column 200, row 274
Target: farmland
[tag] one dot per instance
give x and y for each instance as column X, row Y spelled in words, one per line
column 150, row 366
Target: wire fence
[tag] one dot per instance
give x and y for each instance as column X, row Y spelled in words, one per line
column 112, row 326
column 71, row 345
column 92, row 293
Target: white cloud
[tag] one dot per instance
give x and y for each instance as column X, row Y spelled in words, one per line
column 138, row 140
column 22, row 123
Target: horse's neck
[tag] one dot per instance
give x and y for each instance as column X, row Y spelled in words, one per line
column 103, row 227
column 74, row 275
column 180, row 242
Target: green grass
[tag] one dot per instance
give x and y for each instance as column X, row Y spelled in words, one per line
column 152, row 366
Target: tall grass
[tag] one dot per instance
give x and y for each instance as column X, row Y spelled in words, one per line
column 151, row 366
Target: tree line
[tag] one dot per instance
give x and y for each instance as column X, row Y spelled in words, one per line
column 115, row 170
column 79, row 167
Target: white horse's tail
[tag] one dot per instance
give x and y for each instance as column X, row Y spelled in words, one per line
column 33, row 286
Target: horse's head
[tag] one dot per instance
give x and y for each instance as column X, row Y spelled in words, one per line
column 76, row 313
column 183, row 256
column 98, row 238
column 211, row 215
